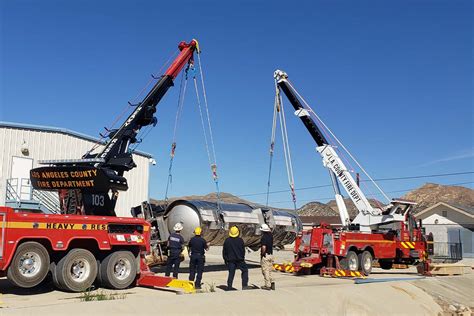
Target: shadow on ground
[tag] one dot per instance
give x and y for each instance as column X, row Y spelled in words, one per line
column 210, row 268
column 7, row 288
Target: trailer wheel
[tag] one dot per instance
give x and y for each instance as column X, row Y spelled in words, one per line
column 76, row 271
column 386, row 264
column 365, row 262
column 118, row 270
column 29, row 266
column 350, row 262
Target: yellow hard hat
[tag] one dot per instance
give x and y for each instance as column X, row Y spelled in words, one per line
column 197, row 231
column 234, row 231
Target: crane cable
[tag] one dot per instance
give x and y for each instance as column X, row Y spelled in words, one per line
column 211, row 153
column 339, row 142
column 279, row 115
column 272, row 144
column 179, row 111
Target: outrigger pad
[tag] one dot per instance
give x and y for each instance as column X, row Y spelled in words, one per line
column 149, row 279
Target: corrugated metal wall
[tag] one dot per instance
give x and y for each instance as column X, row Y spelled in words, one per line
column 44, row 145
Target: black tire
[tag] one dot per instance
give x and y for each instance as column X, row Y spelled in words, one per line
column 365, row 262
column 386, row 264
column 29, row 266
column 350, row 262
column 118, row 270
column 54, row 275
column 76, row 271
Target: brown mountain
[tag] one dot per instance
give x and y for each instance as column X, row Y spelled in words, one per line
column 316, row 209
column 432, row 193
column 427, row 195
column 211, row 197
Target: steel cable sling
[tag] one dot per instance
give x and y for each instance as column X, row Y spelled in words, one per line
column 279, row 115
column 211, row 153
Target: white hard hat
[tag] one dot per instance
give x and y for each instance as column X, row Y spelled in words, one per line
column 178, row 227
column 264, row 228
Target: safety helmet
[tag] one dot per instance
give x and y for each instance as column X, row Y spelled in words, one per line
column 234, row 232
column 264, row 228
column 197, row 231
column 178, row 227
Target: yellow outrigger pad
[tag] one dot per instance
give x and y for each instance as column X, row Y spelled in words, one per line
column 187, row 286
column 341, row 273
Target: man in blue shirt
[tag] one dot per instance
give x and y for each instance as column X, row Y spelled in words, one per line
column 197, row 247
column 175, row 247
column 233, row 253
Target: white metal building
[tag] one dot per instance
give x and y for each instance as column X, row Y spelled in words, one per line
column 22, row 146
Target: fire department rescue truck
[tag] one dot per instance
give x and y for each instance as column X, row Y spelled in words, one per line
column 388, row 234
column 79, row 250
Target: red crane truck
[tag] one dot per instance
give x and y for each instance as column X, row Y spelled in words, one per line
column 87, row 242
column 388, row 234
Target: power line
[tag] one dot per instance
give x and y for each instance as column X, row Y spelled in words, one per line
column 381, row 179
column 332, row 197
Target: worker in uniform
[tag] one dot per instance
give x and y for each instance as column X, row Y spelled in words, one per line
column 197, row 247
column 175, row 247
column 233, row 253
column 266, row 257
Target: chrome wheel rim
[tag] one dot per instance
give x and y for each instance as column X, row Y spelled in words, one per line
column 353, row 263
column 367, row 263
column 80, row 270
column 122, row 269
column 29, row 264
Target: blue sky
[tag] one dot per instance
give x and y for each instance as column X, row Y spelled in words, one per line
column 393, row 80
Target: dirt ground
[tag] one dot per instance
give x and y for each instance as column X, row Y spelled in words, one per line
column 295, row 295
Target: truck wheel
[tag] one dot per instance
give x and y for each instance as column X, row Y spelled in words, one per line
column 29, row 266
column 350, row 262
column 118, row 270
column 386, row 264
column 53, row 268
column 76, row 271
column 365, row 262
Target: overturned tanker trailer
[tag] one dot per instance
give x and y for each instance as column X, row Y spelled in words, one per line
column 215, row 219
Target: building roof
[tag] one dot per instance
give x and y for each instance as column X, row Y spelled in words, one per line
column 61, row 131
column 460, row 209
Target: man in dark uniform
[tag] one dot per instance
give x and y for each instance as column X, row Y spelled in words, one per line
column 197, row 246
column 266, row 256
column 175, row 247
column 233, row 253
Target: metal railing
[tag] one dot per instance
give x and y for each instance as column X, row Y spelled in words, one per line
column 447, row 251
column 21, row 193
column 49, row 199
column 11, row 194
